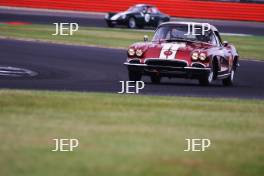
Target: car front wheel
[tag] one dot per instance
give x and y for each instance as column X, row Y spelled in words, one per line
column 207, row 80
column 229, row 81
column 132, row 23
column 134, row 76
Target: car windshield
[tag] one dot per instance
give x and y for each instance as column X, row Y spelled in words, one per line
column 181, row 32
column 135, row 9
column 154, row 10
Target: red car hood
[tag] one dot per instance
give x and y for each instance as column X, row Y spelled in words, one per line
column 171, row 50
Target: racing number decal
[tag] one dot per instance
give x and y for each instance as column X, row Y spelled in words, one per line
column 147, row 17
column 169, row 50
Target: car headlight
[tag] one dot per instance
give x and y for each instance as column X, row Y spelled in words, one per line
column 195, row 56
column 139, row 52
column 202, row 56
column 123, row 17
column 131, row 52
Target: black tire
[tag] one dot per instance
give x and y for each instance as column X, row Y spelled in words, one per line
column 229, row 81
column 216, row 68
column 134, row 76
column 155, row 79
column 109, row 24
column 206, row 80
column 132, row 24
column 159, row 22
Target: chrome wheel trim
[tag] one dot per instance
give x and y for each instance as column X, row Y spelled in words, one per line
column 232, row 75
column 132, row 23
column 210, row 77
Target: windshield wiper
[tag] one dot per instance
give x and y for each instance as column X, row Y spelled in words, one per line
column 178, row 39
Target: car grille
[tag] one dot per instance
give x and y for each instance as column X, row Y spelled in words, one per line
column 134, row 61
column 198, row 65
column 169, row 63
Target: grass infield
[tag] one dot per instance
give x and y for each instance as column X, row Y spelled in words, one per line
column 250, row 47
column 124, row 135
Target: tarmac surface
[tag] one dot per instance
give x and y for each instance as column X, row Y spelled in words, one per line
column 81, row 68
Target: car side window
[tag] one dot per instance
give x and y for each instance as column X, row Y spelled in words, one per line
column 149, row 10
column 144, row 10
column 214, row 40
column 217, row 36
column 154, row 10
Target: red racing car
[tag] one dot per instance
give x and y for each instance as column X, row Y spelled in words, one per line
column 183, row 50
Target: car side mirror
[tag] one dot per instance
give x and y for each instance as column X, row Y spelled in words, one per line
column 225, row 43
column 145, row 38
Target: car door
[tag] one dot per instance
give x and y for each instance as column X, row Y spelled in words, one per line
column 154, row 16
column 223, row 53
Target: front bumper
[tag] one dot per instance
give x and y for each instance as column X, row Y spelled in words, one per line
column 168, row 71
column 117, row 22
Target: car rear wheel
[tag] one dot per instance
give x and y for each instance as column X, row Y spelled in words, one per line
column 134, row 76
column 229, row 81
column 132, row 23
column 207, row 80
column 155, row 79
column 159, row 22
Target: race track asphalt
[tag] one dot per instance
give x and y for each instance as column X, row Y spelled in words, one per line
column 97, row 20
column 81, row 68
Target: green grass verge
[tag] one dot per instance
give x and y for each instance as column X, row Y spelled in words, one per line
column 124, row 135
column 248, row 46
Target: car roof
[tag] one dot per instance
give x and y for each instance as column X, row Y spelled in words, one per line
column 144, row 5
column 213, row 28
